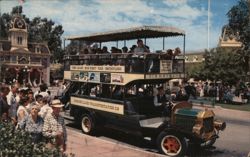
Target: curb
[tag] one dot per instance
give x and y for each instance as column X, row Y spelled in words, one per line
column 118, row 145
column 208, row 106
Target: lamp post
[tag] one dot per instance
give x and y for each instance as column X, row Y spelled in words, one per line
column 26, row 75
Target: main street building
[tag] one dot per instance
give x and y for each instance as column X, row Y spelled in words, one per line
column 22, row 61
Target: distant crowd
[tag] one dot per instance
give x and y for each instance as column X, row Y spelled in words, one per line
column 223, row 93
column 36, row 112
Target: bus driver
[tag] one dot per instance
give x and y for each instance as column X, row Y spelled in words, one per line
column 162, row 102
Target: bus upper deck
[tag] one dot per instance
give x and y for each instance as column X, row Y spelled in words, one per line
column 130, row 65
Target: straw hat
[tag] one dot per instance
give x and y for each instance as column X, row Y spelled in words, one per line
column 56, row 103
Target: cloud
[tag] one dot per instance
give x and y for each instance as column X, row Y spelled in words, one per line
column 84, row 17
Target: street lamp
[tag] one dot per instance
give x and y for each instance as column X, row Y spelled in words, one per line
column 25, row 72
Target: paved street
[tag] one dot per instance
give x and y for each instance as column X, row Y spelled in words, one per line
column 233, row 142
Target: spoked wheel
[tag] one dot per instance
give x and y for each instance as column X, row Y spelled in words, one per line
column 171, row 144
column 87, row 124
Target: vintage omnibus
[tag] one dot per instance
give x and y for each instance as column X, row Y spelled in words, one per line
column 117, row 90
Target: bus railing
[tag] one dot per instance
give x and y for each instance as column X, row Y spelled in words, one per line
column 133, row 62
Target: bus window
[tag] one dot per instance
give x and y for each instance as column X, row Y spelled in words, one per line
column 118, row 92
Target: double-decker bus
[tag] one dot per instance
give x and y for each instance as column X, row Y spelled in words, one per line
column 119, row 91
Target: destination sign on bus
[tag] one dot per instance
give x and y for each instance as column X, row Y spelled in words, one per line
column 103, row 106
column 98, row 68
column 165, row 66
column 164, row 76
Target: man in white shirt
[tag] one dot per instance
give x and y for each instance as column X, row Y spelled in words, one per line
column 141, row 48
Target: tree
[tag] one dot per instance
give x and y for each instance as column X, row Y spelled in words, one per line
column 220, row 64
column 40, row 30
column 239, row 22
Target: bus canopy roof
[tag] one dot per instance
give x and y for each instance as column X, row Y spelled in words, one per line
column 131, row 33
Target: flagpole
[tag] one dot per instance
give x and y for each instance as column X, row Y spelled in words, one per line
column 208, row 26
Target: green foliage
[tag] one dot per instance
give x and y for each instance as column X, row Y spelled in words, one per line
column 18, row 143
column 220, row 64
column 72, row 47
column 4, row 25
column 40, row 30
column 239, row 22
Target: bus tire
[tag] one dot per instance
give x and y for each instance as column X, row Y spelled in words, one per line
column 171, row 144
column 87, row 124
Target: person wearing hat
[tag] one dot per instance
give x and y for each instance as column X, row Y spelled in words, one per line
column 54, row 129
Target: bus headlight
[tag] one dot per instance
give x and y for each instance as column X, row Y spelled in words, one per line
column 198, row 130
column 219, row 125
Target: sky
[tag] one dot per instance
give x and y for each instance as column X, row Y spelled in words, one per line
column 83, row 17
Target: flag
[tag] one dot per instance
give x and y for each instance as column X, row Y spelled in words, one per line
column 21, row 1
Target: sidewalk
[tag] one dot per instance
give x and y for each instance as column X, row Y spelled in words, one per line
column 82, row 145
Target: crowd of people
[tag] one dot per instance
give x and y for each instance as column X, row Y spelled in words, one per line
column 223, row 93
column 35, row 112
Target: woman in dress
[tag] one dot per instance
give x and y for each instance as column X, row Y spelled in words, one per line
column 33, row 124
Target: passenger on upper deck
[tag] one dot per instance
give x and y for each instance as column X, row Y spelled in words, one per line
column 167, row 55
column 86, row 51
column 177, row 52
column 125, row 49
column 132, row 49
column 141, row 48
column 105, row 50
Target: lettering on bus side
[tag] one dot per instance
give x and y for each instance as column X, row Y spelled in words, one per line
column 98, row 68
column 164, row 76
column 98, row 105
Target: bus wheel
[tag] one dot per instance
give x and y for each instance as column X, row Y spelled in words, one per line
column 171, row 144
column 87, row 124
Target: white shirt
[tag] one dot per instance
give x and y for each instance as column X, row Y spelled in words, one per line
column 140, row 50
column 46, row 109
column 11, row 100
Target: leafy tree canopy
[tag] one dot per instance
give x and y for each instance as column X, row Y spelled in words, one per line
column 239, row 22
column 220, row 64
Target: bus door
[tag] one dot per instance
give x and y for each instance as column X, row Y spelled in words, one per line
column 130, row 120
